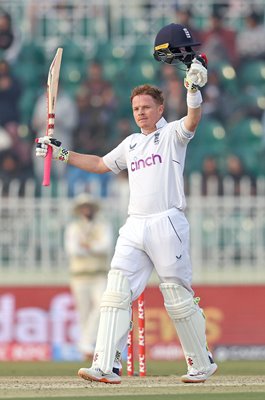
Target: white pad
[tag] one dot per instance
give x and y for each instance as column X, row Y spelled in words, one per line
column 190, row 324
column 115, row 315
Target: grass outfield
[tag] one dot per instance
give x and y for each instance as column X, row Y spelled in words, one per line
column 209, row 396
column 154, row 368
column 244, row 380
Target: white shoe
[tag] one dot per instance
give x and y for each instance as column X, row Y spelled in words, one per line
column 95, row 374
column 195, row 376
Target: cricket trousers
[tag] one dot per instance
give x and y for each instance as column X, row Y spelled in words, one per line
column 157, row 241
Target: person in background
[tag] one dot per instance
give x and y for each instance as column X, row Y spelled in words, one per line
column 65, row 125
column 219, row 41
column 10, row 170
column 213, row 104
column 10, row 39
column 236, row 170
column 10, row 118
column 211, row 175
column 184, row 17
column 171, row 82
column 97, row 104
column 10, row 92
column 87, row 242
column 250, row 40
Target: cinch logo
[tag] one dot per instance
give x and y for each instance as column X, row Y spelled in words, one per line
column 151, row 160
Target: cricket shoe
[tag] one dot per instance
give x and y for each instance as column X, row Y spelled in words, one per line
column 195, row 376
column 117, row 371
column 96, row 375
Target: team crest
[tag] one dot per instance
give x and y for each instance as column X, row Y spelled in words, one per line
column 156, row 140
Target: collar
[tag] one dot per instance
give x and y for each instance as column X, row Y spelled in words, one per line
column 162, row 122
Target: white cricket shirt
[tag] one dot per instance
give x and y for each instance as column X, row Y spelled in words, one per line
column 155, row 164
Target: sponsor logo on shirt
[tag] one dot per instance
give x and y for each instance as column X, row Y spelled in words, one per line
column 147, row 162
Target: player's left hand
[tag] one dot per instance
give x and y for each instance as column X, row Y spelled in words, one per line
column 196, row 76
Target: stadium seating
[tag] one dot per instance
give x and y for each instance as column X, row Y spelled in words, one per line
column 210, row 140
column 245, row 138
column 31, row 53
column 72, row 52
column 247, row 131
column 227, row 76
column 26, row 105
column 252, row 73
column 30, row 65
column 71, row 76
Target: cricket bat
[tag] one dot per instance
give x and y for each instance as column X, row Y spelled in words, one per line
column 52, row 89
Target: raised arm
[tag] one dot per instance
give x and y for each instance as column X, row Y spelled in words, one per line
column 193, row 116
column 196, row 77
column 87, row 162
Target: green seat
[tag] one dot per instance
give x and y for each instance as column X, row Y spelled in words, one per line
column 30, row 74
column 211, row 132
column 252, row 159
column 144, row 52
column 246, row 132
column 210, row 140
column 26, row 105
column 142, row 72
column 31, row 53
column 113, row 51
column 252, row 73
column 196, row 155
column 227, row 76
column 71, row 76
column 251, row 102
column 245, row 138
column 114, row 69
column 72, row 52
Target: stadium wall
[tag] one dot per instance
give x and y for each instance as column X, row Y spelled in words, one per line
column 40, row 323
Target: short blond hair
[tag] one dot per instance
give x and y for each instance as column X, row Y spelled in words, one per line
column 151, row 90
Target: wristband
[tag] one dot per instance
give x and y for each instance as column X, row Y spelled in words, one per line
column 194, row 99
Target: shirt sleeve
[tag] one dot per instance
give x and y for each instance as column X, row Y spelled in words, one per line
column 115, row 160
column 183, row 135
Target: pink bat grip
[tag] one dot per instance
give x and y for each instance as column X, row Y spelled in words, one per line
column 47, row 167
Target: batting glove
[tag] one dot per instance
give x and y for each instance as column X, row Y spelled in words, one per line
column 58, row 152
column 196, row 76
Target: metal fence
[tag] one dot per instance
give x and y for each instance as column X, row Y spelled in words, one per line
column 227, row 232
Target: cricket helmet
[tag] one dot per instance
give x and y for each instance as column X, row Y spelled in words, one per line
column 173, row 45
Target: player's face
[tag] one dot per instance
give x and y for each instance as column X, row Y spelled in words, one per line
column 147, row 112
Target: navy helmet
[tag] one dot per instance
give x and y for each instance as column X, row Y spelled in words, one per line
column 174, row 44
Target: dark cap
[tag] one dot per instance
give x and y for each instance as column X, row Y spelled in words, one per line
column 173, row 36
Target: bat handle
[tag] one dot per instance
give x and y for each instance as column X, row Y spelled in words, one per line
column 47, row 167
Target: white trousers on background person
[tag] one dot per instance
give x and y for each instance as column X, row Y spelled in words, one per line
column 87, row 293
column 159, row 241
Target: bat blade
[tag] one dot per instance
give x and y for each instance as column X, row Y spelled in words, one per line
column 52, row 90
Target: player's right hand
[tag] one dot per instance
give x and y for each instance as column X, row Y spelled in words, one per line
column 58, row 152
